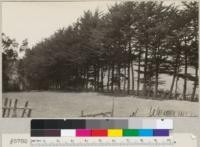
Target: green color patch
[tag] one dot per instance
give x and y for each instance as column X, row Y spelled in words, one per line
column 130, row 132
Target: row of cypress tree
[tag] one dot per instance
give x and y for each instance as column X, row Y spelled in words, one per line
column 126, row 49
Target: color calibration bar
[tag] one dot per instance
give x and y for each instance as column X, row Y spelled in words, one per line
column 99, row 133
column 102, row 124
column 101, row 127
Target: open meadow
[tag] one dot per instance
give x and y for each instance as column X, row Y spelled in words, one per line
column 70, row 104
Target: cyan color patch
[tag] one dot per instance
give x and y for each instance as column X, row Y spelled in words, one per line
column 146, row 132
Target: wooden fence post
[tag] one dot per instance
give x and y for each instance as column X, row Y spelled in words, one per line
column 11, row 111
column 29, row 112
column 5, row 105
column 9, row 107
column 24, row 109
column 15, row 108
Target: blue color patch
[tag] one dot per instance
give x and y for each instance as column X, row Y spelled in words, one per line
column 146, row 132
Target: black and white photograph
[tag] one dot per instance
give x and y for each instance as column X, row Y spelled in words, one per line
column 100, row 59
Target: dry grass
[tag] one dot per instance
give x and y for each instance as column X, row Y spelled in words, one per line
column 69, row 104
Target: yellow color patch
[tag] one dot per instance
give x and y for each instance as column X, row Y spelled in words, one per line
column 115, row 132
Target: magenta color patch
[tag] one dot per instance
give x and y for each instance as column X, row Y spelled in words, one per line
column 83, row 132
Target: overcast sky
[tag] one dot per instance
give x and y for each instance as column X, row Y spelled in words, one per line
column 38, row 20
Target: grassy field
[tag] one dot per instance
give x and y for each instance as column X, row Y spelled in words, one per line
column 69, row 104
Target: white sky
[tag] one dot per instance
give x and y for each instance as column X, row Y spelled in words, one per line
column 38, row 20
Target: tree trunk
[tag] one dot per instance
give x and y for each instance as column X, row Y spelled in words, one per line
column 149, row 91
column 157, row 63
column 129, row 58
column 132, row 73
column 87, row 79
column 95, row 78
column 172, row 86
column 196, row 74
column 128, row 82
column 174, row 76
column 124, row 78
column 102, row 84
column 118, row 77
column 112, row 77
column 138, row 78
column 195, row 84
column 176, row 87
column 156, row 79
column 98, row 78
column 185, row 75
column 108, row 81
column 145, row 70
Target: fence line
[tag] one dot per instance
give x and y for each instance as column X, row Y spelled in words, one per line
column 11, row 108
